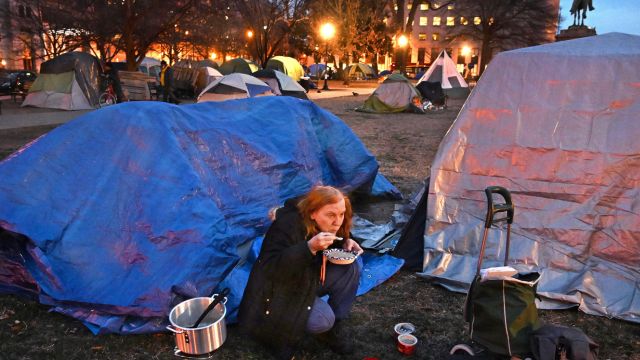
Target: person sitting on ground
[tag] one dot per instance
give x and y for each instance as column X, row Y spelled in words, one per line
column 166, row 83
column 282, row 299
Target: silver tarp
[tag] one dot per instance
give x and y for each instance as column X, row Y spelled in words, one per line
column 559, row 126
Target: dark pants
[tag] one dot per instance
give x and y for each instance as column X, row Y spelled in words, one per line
column 341, row 284
column 168, row 95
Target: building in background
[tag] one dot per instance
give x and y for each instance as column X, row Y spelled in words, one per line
column 430, row 35
column 19, row 45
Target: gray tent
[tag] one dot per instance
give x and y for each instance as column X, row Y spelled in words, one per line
column 71, row 81
column 558, row 126
column 395, row 94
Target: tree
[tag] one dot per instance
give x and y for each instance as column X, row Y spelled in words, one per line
column 215, row 27
column 271, row 22
column 504, row 24
column 372, row 34
column 344, row 15
column 405, row 27
column 48, row 25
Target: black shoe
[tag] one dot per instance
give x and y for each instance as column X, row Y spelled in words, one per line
column 337, row 339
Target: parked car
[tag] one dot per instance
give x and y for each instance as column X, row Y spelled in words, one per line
column 13, row 81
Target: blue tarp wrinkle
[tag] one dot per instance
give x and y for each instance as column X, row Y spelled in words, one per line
column 130, row 209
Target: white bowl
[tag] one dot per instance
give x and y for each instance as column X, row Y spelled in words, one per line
column 340, row 256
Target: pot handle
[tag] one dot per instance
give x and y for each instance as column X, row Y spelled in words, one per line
column 174, row 330
column 223, row 294
column 216, row 299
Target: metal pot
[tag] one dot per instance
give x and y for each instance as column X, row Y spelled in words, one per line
column 209, row 335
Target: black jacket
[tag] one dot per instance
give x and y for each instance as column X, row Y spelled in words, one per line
column 283, row 283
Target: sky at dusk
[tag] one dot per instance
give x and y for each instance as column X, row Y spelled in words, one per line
column 609, row 16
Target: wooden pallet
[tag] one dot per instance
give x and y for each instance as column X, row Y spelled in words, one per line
column 136, row 85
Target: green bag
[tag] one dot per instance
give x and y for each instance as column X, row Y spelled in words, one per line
column 502, row 313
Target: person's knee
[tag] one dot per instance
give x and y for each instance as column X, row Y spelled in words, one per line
column 321, row 319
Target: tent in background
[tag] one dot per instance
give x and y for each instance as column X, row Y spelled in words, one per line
column 360, row 71
column 207, row 63
column 286, row 65
column 316, row 71
column 71, row 81
column 238, row 65
column 146, row 204
column 206, row 75
column 281, row 84
column 395, row 94
column 565, row 143
column 443, row 69
column 234, row 86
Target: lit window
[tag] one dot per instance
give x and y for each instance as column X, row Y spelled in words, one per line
column 424, row 6
column 435, row 37
column 435, row 6
column 463, row 21
column 395, row 7
column 424, row 21
column 451, row 21
column 408, row 6
column 436, row 21
column 476, row 20
column 450, row 7
column 422, row 36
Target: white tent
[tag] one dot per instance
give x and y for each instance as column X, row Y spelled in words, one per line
column 234, row 86
column 206, row 75
column 281, row 83
column 443, row 70
column 557, row 125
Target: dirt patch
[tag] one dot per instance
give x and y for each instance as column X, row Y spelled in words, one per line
column 404, row 145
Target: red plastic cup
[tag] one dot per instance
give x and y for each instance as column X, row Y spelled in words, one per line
column 407, row 344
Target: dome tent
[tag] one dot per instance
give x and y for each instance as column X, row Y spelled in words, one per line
column 565, row 143
column 205, row 76
column 238, row 65
column 234, row 86
column 286, row 65
column 281, row 84
column 395, row 94
column 70, row 81
column 360, row 71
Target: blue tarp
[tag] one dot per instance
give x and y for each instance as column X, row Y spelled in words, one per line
column 128, row 210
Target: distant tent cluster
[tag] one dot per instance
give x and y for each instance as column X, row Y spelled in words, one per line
column 243, row 79
column 397, row 94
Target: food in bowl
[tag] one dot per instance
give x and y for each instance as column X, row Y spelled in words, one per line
column 340, row 256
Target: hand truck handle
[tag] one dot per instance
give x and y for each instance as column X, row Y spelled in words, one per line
column 493, row 208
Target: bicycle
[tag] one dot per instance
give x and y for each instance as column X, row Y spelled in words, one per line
column 108, row 97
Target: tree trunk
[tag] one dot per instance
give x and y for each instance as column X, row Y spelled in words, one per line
column 486, row 53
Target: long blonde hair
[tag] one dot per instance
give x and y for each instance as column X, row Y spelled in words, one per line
column 318, row 197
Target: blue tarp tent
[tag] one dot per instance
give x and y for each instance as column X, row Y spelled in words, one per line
column 119, row 215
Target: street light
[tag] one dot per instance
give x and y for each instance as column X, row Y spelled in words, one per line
column 465, row 51
column 403, row 41
column 326, row 32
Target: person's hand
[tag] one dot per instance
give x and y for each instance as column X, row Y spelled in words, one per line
column 321, row 241
column 353, row 246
